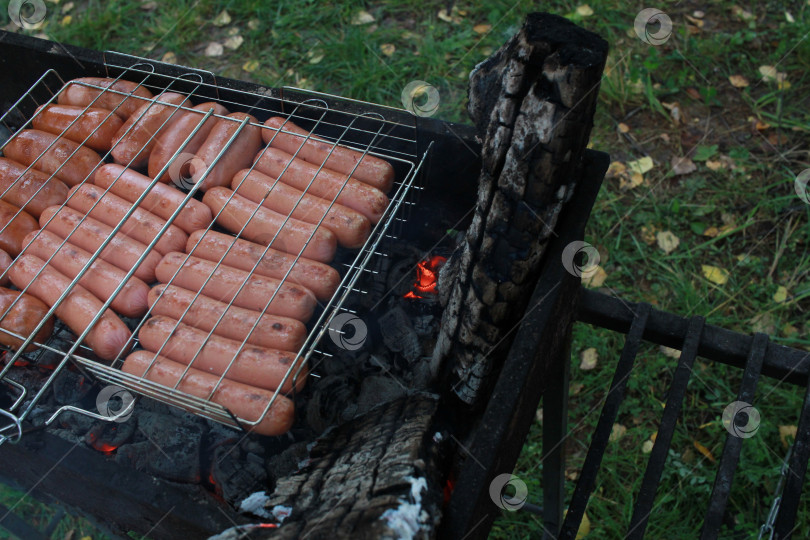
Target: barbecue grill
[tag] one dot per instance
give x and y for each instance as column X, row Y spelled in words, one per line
column 437, row 165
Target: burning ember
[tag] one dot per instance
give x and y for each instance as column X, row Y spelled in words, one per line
column 427, row 276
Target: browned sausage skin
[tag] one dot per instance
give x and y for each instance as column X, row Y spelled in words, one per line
column 173, row 136
column 108, row 337
column 20, row 314
column 249, row 364
column 231, row 322
column 287, row 136
column 122, row 97
column 244, row 401
column 53, row 155
column 92, row 127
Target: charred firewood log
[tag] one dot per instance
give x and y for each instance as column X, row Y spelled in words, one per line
column 533, row 103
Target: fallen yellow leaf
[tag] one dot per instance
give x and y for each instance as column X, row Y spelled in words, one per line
column 623, row 128
column 711, row 232
column 66, row 20
column 785, row 432
column 633, row 181
column 738, row 81
column 672, row 353
column 648, row 234
column 615, row 169
column 388, row 49
column 641, row 165
column 715, row 165
column 584, row 10
column 705, row 451
column 222, row 19
column 667, row 241
column 588, row 359
column 716, row 275
column 169, row 58
column 482, row 28
column 594, row 279
column 647, row 446
column 617, row 432
column 780, row 295
column 234, row 42
column 362, row 17
column 250, row 66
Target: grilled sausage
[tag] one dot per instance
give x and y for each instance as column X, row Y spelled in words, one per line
column 236, row 157
column 213, row 354
column 133, row 143
column 122, row 251
column 21, row 313
column 5, row 262
column 70, row 162
column 371, row 169
column 173, row 136
column 328, row 184
column 94, row 127
column 101, row 279
column 141, row 225
column 263, row 224
column 162, row 200
column 222, row 283
column 76, row 93
column 351, row 228
column 271, row 331
column 14, row 225
column 244, row 401
column 321, row 279
column 32, row 191
column 108, row 337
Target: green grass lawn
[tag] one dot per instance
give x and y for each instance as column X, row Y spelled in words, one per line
column 728, row 240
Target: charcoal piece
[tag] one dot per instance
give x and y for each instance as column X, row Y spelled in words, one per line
column 69, row 387
column 235, row 476
column 170, row 448
column 399, row 335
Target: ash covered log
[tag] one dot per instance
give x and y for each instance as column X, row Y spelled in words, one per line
column 533, row 103
column 376, row 476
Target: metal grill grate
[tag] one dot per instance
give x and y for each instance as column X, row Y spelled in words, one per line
column 370, row 133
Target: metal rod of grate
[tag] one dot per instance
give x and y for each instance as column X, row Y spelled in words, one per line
column 640, row 321
column 366, row 131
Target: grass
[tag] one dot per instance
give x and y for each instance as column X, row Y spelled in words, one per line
column 737, row 211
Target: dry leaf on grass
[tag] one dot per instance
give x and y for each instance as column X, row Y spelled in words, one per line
column 214, row 49
column 667, row 241
column 738, row 81
column 668, row 352
column 482, row 28
column 704, row 451
column 682, row 165
column 647, row 446
column 785, row 432
column 615, row 169
column 715, row 274
column 641, row 165
column 623, row 128
column 234, row 42
column 780, row 295
column 388, row 49
column 250, row 66
column 169, row 58
column 617, row 432
column 595, row 279
column 584, row 10
column 630, row 182
column 588, row 359
column 362, row 17
column 222, row 19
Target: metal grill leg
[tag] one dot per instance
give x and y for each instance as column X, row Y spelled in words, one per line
column 733, row 446
column 658, row 456
column 555, row 427
column 601, row 436
column 795, row 477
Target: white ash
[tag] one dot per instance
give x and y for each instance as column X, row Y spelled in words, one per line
column 409, row 518
column 257, row 504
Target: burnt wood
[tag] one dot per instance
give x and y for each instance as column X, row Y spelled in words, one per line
column 533, row 103
column 360, row 477
column 119, row 499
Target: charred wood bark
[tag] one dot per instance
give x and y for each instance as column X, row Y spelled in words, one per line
column 371, row 478
column 533, row 103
